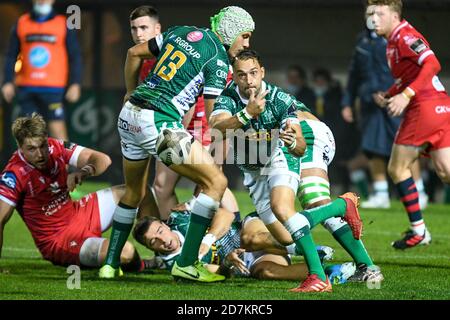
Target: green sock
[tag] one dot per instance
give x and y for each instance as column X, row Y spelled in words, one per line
column 194, row 236
column 333, row 209
column 305, row 242
column 119, row 235
column 354, row 247
column 447, row 194
column 363, row 188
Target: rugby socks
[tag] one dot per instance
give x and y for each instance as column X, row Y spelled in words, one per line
column 203, row 211
column 381, row 189
column 317, row 215
column 410, row 198
column 447, row 194
column 359, row 179
column 123, row 220
column 343, row 234
column 298, row 227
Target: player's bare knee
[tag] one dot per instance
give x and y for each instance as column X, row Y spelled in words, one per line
column 216, row 184
column 444, row 173
column 127, row 254
column 395, row 171
column 282, row 210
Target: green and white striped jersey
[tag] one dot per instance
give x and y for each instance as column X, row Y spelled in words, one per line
column 179, row 221
column 191, row 60
column 280, row 106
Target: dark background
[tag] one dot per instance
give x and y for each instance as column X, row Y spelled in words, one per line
column 319, row 33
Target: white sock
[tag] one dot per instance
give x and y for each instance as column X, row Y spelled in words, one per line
column 381, row 188
column 357, row 175
column 418, row 227
column 419, row 185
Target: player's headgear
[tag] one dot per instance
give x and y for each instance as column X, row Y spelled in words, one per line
column 230, row 22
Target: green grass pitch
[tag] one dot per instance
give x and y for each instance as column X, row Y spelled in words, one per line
column 419, row 273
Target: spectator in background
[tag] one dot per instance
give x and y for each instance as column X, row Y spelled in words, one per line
column 328, row 95
column 368, row 74
column 298, row 86
column 42, row 61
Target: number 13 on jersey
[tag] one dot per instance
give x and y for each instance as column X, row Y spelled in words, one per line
column 176, row 60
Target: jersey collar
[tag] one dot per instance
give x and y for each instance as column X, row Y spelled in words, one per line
column 397, row 29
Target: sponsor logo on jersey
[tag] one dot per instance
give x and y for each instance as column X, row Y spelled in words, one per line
column 195, row 36
column 187, row 47
column 220, row 63
column 124, row 125
column 442, row 109
column 418, row 46
column 9, row 179
column 56, row 205
column 222, row 74
column 153, row 82
column 49, row 38
column 54, row 187
column 39, row 57
column 284, row 97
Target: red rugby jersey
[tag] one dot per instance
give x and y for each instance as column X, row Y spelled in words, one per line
column 41, row 197
column 406, row 53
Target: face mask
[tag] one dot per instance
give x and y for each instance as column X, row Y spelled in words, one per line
column 320, row 91
column 42, row 9
column 369, row 23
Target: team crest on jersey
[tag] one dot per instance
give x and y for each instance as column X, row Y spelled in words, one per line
column 194, row 36
column 54, row 187
column 9, row 179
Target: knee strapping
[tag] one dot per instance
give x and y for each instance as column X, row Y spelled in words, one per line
column 312, row 190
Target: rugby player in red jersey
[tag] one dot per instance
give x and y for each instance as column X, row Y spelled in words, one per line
column 419, row 95
column 36, row 183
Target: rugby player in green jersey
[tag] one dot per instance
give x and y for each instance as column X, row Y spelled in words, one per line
column 263, row 110
column 190, row 60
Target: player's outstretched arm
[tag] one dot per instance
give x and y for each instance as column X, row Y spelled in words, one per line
column 6, row 211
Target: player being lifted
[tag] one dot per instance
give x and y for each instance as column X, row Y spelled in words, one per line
column 263, row 110
column 419, row 95
column 189, row 59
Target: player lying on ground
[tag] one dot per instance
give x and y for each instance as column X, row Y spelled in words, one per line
column 36, row 183
column 273, row 176
column 224, row 255
column 189, row 59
